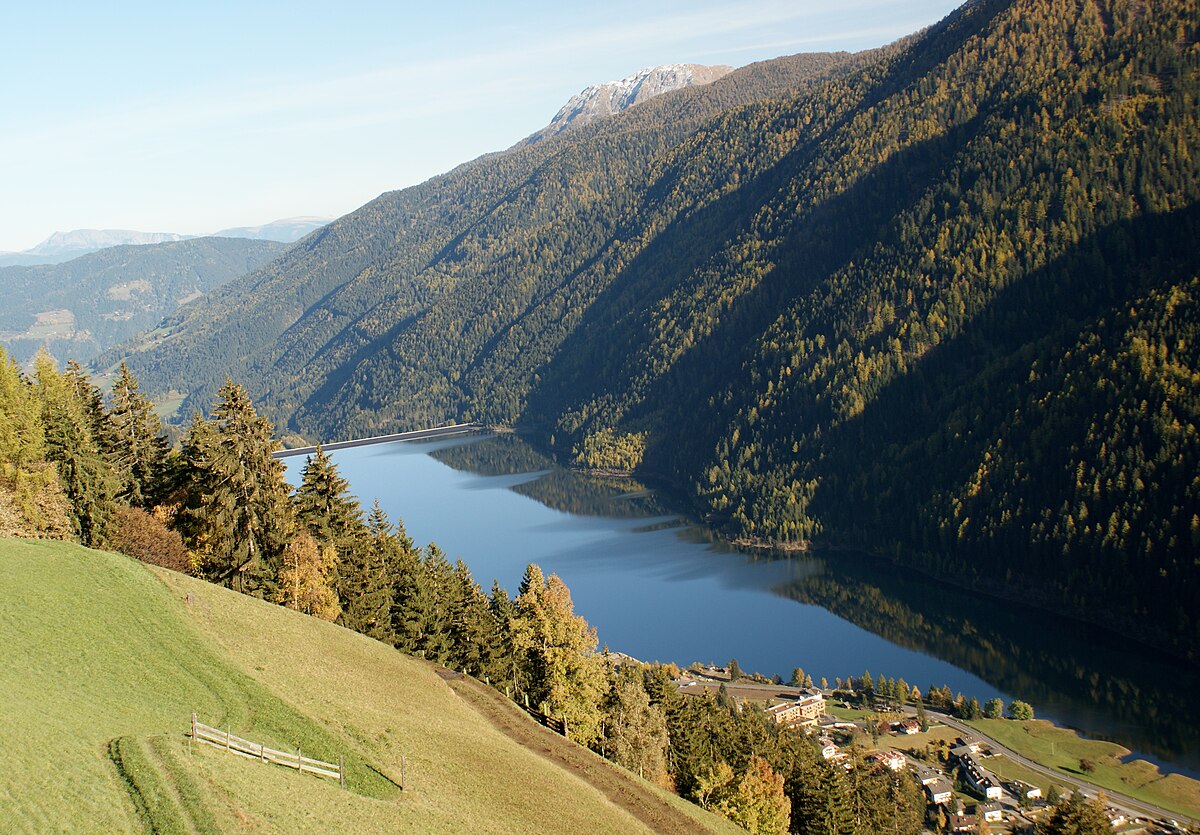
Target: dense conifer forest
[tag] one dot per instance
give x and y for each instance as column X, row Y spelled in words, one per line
column 937, row 301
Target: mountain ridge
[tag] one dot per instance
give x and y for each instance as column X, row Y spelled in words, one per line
column 66, row 246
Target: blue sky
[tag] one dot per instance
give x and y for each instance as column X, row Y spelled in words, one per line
column 193, row 117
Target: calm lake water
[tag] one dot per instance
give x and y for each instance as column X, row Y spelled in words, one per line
column 661, row 590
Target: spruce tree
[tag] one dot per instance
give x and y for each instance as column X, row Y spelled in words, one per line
column 367, row 578
column 238, row 513
column 87, row 480
column 134, row 443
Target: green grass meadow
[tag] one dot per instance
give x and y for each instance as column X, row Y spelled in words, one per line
column 1062, row 749
column 105, row 660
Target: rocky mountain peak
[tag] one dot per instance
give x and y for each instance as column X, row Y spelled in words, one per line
column 600, row 100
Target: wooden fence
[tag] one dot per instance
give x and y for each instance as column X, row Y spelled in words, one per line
column 558, row 724
column 257, row 751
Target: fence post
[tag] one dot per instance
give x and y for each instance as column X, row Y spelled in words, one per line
column 342, row 770
column 299, row 756
column 262, row 752
column 403, row 773
column 564, row 721
column 226, row 737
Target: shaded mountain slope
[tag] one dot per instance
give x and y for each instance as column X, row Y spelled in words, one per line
column 939, row 304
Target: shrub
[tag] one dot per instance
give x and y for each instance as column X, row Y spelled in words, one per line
column 143, row 537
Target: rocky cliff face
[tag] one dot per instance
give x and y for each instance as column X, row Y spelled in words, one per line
column 602, row 100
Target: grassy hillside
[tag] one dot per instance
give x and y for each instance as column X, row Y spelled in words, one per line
column 105, row 661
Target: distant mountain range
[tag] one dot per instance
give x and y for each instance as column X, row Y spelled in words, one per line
column 81, row 307
column 63, row 246
column 286, row 231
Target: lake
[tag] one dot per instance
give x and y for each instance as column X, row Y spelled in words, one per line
column 662, row 590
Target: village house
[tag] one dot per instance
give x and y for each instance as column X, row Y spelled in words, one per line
column 928, row 775
column 907, row 726
column 1020, row 789
column 961, row 823
column 992, row 812
column 804, row 710
column 892, row 759
column 940, row 791
column 830, row 751
column 979, row 779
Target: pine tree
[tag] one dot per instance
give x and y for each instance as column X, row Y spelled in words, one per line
column 238, row 512
column 134, row 443
column 87, row 480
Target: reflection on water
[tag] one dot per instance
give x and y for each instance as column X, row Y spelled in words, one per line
column 661, row 590
column 1070, row 671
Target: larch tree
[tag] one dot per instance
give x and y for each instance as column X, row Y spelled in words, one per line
column 306, row 578
column 759, row 804
column 27, row 480
column 557, row 649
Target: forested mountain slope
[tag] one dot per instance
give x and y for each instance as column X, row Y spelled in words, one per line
column 296, row 329
column 81, row 307
column 941, row 305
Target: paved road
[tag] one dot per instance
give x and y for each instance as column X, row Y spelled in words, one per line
column 1127, row 803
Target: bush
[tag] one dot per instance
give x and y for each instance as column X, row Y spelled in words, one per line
column 143, row 537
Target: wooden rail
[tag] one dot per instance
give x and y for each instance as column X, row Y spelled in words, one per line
column 257, row 751
column 558, row 724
